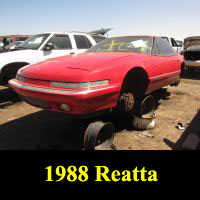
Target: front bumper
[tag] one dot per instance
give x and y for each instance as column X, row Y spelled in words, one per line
column 192, row 64
column 80, row 102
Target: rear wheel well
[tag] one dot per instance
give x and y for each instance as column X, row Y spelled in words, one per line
column 9, row 71
column 183, row 69
column 134, row 86
column 136, row 81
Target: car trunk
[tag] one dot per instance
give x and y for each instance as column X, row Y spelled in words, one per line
column 192, row 55
column 192, row 48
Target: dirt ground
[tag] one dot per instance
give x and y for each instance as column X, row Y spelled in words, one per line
column 25, row 127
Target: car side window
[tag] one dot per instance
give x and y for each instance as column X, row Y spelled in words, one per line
column 82, row 42
column 61, row 42
column 162, row 48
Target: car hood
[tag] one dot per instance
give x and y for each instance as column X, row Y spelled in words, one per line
column 74, row 66
column 191, row 41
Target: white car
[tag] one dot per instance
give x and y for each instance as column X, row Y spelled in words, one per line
column 180, row 44
column 178, row 47
column 41, row 47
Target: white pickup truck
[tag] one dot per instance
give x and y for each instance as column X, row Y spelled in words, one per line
column 44, row 46
column 178, row 47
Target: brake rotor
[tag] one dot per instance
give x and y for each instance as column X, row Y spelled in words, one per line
column 128, row 101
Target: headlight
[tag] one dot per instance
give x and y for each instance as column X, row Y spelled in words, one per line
column 80, row 85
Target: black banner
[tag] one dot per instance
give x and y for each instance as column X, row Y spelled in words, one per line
column 74, row 168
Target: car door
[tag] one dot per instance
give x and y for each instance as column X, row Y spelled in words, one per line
column 82, row 43
column 62, row 46
column 164, row 64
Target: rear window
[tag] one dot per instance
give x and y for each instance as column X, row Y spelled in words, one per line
column 132, row 44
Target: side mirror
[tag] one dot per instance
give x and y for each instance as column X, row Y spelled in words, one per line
column 182, row 52
column 48, row 47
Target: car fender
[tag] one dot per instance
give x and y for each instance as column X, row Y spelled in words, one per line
column 137, row 67
column 22, row 56
column 118, row 71
column 14, row 62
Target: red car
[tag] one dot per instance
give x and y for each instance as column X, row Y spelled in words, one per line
column 115, row 70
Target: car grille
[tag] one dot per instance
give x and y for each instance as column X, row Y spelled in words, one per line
column 35, row 102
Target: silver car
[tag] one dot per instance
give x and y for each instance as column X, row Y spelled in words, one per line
column 192, row 52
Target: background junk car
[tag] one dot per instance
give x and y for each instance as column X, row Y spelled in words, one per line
column 11, row 47
column 8, row 39
column 111, row 74
column 192, row 52
column 41, row 47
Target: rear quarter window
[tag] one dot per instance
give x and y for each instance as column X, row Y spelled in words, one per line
column 162, row 48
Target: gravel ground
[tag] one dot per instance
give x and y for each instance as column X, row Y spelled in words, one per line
column 25, row 127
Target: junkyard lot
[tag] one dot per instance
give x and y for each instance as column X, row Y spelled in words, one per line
column 25, row 127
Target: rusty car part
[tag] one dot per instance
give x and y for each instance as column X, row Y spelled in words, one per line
column 127, row 102
column 147, row 107
column 145, row 119
column 99, row 136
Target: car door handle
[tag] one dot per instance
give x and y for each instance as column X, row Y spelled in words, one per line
column 72, row 53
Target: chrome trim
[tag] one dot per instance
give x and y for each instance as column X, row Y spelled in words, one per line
column 51, row 91
column 176, row 72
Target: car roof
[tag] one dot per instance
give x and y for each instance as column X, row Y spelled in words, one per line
column 67, row 32
column 135, row 36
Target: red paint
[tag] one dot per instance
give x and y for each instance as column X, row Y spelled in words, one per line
column 88, row 67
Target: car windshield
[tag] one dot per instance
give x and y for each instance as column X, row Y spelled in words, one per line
column 33, row 42
column 132, row 44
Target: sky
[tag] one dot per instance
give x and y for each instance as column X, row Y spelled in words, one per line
column 173, row 18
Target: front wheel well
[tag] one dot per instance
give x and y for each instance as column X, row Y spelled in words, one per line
column 136, row 81
column 9, row 71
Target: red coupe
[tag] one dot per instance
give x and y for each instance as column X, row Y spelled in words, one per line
column 115, row 70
